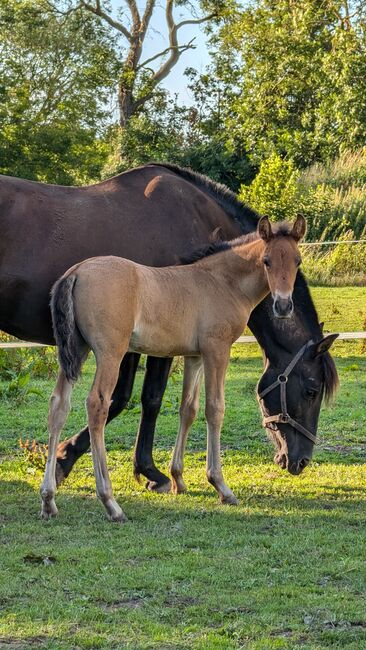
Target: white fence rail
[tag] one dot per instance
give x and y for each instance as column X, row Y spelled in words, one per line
column 344, row 336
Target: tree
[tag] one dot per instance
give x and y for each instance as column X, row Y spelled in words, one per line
column 56, row 77
column 297, row 70
column 137, row 80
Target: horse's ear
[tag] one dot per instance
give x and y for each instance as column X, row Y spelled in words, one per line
column 323, row 346
column 265, row 228
column 299, row 228
column 216, row 235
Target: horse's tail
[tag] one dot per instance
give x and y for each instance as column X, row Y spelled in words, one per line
column 71, row 345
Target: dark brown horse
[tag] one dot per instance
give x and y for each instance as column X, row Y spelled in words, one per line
column 155, row 215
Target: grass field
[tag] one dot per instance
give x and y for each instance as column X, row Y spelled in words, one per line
column 284, row 569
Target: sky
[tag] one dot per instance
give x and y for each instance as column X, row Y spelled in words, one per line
column 157, row 40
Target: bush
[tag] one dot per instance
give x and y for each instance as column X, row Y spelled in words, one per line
column 274, row 190
column 337, row 265
column 19, row 366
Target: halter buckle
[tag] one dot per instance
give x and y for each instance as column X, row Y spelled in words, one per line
column 285, row 418
column 283, row 379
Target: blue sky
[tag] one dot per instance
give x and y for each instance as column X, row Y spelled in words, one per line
column 156, row 41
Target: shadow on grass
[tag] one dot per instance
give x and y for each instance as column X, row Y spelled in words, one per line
column 20, row 501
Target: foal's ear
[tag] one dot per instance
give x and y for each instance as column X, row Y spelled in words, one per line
column 265, row 228
column 299, row 228
column 323, row 345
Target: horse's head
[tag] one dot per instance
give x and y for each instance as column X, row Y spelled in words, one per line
column 281, row 258
column 290, row 394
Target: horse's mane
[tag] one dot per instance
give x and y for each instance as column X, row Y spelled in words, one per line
column 310, row 316
column 242, row 213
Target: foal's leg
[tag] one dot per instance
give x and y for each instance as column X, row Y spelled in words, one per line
column 188, row 410
column 70, row 450
column 156, row 377
column 98, row 404
column 215, row 364
column 58, row 412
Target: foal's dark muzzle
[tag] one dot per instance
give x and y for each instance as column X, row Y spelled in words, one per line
column 283, row 307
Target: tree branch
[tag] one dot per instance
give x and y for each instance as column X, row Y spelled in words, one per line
column 181, row 48
column 98, row 11
column 195, row 21
column 136, row 21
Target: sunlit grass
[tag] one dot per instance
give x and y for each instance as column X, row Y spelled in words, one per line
column 284, row 569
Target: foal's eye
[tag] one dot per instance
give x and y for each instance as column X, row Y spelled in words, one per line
column 298, row 261
column 266, row 261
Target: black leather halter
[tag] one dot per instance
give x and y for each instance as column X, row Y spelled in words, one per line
column 281, row 381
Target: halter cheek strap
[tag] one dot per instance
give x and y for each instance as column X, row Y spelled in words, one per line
column 281, row 381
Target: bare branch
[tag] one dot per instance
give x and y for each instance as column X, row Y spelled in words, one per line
column 136, row 21
column 150, row 5
column 175, row 50
column 97, row 10
column 196, row 21
column 181, row 48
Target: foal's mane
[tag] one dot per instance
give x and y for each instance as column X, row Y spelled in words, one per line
column 217, row 247
column 282, row 228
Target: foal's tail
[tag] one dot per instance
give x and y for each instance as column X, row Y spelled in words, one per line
column 72, row 348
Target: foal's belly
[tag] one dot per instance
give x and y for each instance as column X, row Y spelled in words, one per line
column 160, row 343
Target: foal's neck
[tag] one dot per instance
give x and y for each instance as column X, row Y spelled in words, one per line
column 242, row 268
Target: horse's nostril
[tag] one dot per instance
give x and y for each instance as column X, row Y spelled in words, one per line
column 304, row 462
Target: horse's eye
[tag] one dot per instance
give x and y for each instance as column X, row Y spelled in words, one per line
column 266, row 261
column 311, row 393
column 298, row 261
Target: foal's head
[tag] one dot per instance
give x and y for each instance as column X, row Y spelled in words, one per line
column 282, row 259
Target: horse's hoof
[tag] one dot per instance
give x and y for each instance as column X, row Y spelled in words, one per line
column 161, row 488
column 230, row 500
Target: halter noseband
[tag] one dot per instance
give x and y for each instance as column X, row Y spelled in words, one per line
column 281, row 381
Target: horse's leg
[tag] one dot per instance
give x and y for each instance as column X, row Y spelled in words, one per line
column 156, row 377
column 70, row 450
column 188, row 410
column 58, row 411
column 215, row 364
column 98, row 403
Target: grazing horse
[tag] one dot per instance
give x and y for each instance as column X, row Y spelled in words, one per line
column 45, row 229
column 112, row 305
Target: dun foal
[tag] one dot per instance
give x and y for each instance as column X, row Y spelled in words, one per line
column 111, row 305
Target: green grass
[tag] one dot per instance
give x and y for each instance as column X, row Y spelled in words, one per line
column 285, row 569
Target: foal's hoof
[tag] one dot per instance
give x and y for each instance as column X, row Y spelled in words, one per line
column 229, row 499
column 48, row 512
column 118, row 519
column 161, row 488
column 179, row 486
